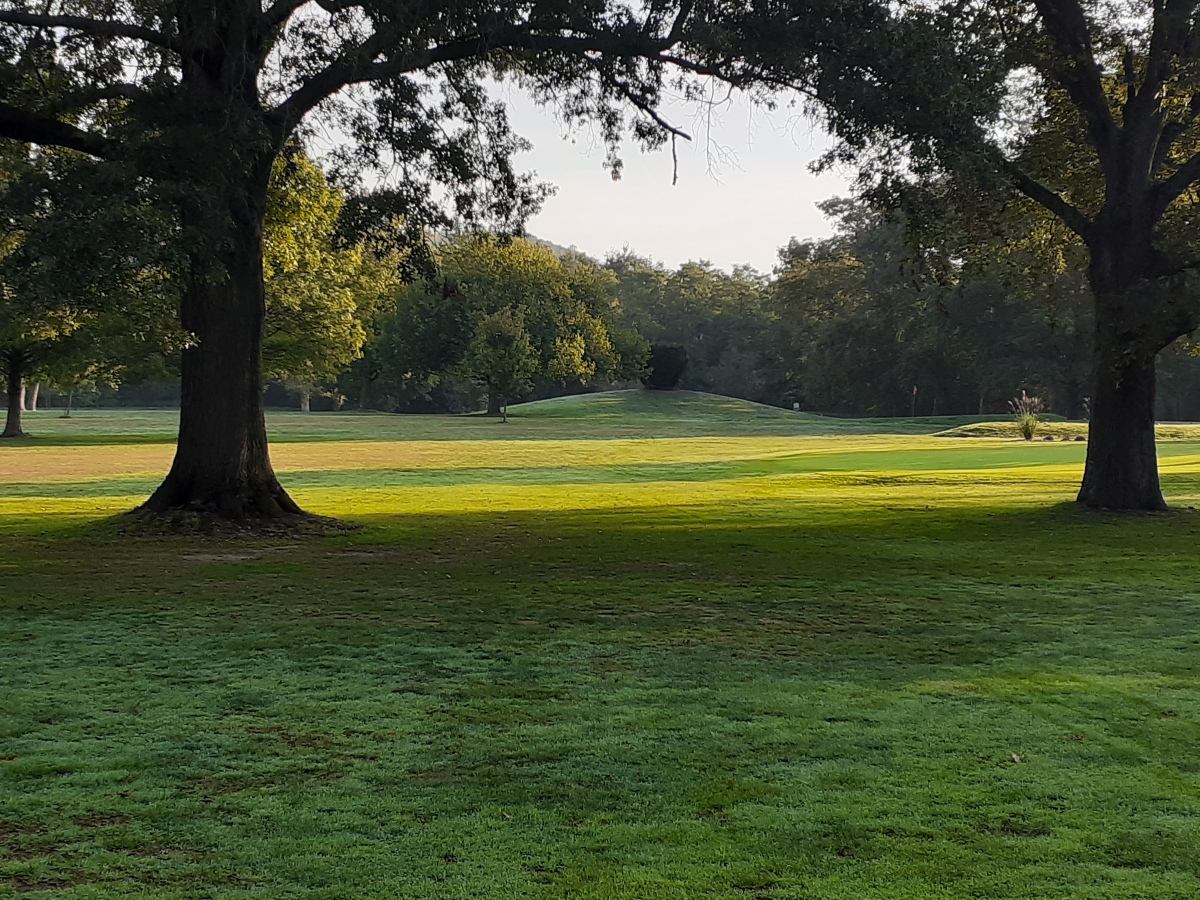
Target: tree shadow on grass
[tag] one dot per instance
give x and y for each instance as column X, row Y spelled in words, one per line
column 852, row 591
column 814, row 692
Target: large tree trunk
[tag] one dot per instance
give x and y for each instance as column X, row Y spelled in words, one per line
column 494, row 403
column 33, row 396
column 305, row 399
column 1122, row 462
column 14, row 365
column 1138, row 313
column 222, row 467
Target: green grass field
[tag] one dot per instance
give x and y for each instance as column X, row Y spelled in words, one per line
column 626, row 646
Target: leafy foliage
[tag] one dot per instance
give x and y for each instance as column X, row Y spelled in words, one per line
column 501, row 356
column 88, row 270
column 319, row 293
column 563, row 308
column 850, row 324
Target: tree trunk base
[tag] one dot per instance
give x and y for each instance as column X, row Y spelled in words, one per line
column 259, row 499
column 260, row 509
column 1105, row 498
column 142, row 522
column 1121, row 472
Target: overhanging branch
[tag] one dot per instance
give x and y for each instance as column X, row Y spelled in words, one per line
column 1066, row 26
column 648, row 110
column 1048, row 199
column 362, row 64
column 1166, row 192
column 93, row 27
column 20, row 125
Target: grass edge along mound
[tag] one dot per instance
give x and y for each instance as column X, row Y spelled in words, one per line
column 1062, row 430
column 634, row 413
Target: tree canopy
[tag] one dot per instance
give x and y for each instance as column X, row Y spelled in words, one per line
column 495, row 293
column 87, row 272
column 319, row 291
column 1090, row 110
column 199, row 98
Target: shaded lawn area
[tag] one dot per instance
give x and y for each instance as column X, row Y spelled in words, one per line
column 894, row 695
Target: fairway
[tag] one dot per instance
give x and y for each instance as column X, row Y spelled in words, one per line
column 625, row 646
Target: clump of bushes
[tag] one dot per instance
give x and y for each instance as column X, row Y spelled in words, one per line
column 665, row 367
column 1026, row 410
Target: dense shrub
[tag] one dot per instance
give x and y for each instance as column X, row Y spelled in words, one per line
column 666, row 366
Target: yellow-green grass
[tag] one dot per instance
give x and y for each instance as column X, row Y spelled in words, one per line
column 1061, row 431
column 602, row 416
column 730, row 665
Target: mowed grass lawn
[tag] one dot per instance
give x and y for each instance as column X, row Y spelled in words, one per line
column 628, row 646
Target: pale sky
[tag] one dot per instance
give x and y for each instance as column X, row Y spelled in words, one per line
column 741, row 212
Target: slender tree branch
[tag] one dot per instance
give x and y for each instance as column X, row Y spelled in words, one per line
column 1072, row 217
column 21, row 125
column 93, row 27
column 361, row 66
column 740, row 80
column 649, row 111
column 279, row 12
column 1129, row 70
column 1173, row 131
column 1066, row 25
column 1166, row 192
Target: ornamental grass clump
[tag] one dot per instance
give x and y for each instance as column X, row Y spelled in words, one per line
column 1026, row 410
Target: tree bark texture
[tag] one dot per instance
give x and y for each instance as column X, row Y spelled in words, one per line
column 305, row 400
column 1138, row 313
column 1121, row 472
column 14, row 372
column 33, row 396
column 222, row 466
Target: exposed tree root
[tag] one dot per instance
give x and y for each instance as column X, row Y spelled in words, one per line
column 144, row 522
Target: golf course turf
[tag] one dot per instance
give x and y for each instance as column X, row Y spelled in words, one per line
column 625, row 646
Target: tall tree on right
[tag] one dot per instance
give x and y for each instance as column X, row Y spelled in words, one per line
column 1128, row 92
column 1119, row 81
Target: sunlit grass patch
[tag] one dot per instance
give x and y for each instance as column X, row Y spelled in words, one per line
column 728, row 666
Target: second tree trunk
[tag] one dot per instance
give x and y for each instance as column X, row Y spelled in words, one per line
column 1121, row 472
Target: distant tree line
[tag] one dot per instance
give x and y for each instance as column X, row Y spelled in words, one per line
column 884, row 318
column 879, row 320
column 1075, row 132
